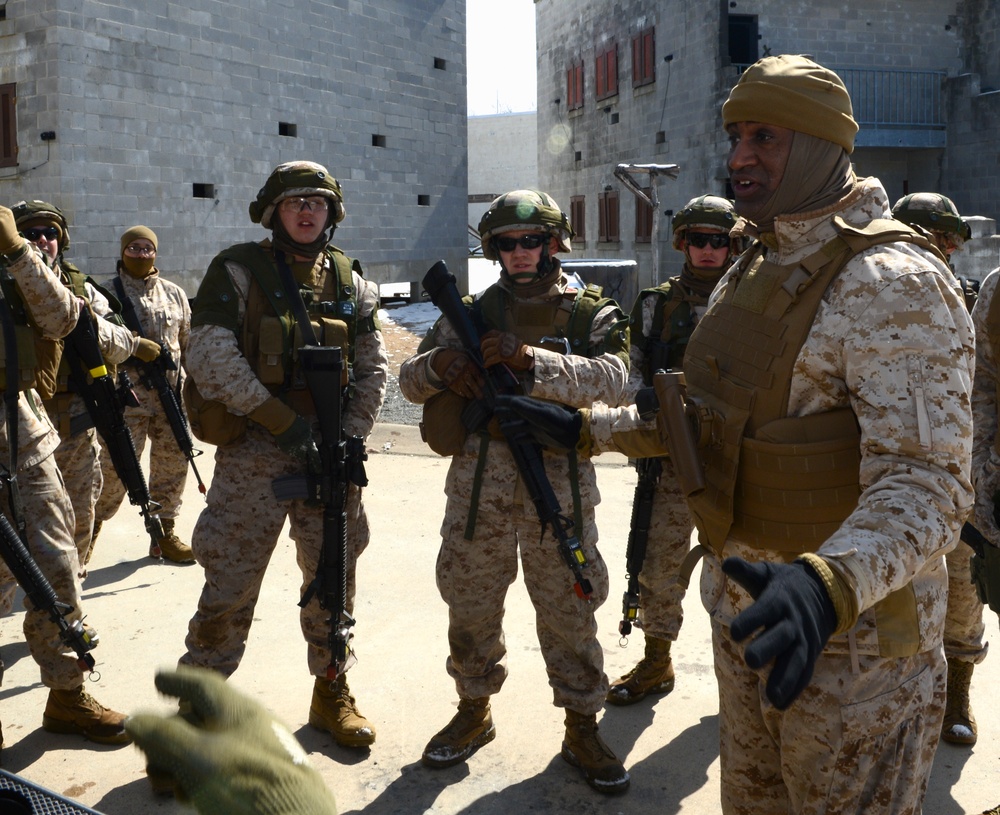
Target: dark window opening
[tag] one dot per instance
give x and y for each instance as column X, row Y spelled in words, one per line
column 288, row 129
column 378, row 140
column 743, row 39
column 440, row 63
column 578, row 156
column 203, row 190
column 423, row 200
column 661, row 136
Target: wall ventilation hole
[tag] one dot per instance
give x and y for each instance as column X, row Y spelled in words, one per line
column 378, row 140
column 423, row 200
column 288, row 129
column 203, row 190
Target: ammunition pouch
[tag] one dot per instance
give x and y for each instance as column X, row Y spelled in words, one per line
column 986, row 576
column 211, row 421
column 441, row 427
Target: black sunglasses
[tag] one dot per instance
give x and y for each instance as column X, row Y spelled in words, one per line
column 701, row 239
column 505, row 243
column 35, row 232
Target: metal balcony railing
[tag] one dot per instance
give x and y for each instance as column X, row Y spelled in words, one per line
column 893, row 98
column 895, row 107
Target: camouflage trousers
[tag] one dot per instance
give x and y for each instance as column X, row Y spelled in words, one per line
column 853, row 742
column 963, row 625
column 473, row 578
column 233, row 541
column 48, row 516
column 79, row 458
column 670, row 529
column 168, row 467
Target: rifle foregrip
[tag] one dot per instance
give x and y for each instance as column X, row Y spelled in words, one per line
column 674, row 425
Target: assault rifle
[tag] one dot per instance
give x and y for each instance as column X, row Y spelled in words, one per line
column 649, row 472
column 439, row 283
column 106, row 405
column 984, row 567
column 43, row 597
column 153, row 376
column 342, row 463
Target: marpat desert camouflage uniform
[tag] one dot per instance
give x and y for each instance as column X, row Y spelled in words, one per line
column 238, row 530
column 48, row 512
column 893, row 341
column 165, row 315
column 473, row 576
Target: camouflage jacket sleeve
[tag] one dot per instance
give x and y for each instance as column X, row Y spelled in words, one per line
column 116, row 341
column 579, row 381
column 985, row 457
column 641, row 324
column 417, row 380
column 52, row 306
column 371, row 364
column 212, row 356
column 621, row 430
column 895, row 342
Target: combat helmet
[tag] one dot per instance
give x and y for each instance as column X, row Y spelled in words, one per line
column 31, row 213
column 297, row 178
column 706, row 211
column 932, row 211
column 524, row 209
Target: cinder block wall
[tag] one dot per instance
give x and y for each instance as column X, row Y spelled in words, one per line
column 149, row 99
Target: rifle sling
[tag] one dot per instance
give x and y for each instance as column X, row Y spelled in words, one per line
column 295, row 298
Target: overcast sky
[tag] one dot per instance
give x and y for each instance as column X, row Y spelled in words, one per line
column 501, row 56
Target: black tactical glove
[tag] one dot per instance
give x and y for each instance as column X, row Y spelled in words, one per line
column 298, row 441
column 551, row 425
column 795, row 617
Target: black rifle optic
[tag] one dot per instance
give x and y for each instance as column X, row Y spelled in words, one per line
column 439, row 283
column 43, row 597
column 153, row 376
column 106, row 405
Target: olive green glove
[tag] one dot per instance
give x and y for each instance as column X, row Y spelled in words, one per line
column 147, row 350
column 10, row 239
column 229, row 754
column 291, row 432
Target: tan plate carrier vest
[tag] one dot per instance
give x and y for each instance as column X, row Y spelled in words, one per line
column 774, row 481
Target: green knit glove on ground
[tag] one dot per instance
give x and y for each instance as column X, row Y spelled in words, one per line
column 236, row 758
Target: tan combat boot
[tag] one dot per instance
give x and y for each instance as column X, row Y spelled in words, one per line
column 959, row 724
column 469, row 729
column 76, row 712
column 334, row 710
column 654, row 673
column 583, row 747
column 172, row 547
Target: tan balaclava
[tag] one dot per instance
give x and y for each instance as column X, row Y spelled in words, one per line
column 142, row 266
column 795, row 92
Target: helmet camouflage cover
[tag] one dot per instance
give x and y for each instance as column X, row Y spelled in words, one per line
column 706, row 211
column 524, row 209
column 297, row 178
column 932, row 211
column 35, row 212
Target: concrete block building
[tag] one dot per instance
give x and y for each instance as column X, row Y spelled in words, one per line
column 172, row 114
column 643, row 81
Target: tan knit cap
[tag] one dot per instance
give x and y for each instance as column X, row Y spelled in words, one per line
column 136, row 232
column 793, row 91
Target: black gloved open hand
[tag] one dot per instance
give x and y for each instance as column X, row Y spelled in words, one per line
column 795, row 617
column 551, row 425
